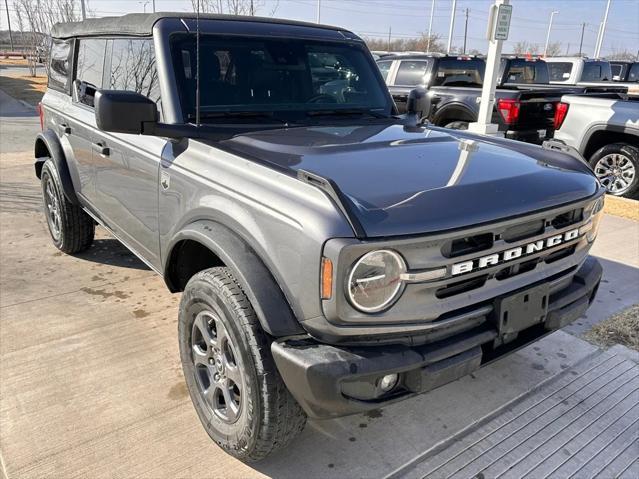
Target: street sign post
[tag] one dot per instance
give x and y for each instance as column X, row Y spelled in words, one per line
column 496, row 33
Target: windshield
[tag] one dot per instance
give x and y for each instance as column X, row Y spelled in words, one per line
column 287, row 78
column 526, row 71
column 559, row 71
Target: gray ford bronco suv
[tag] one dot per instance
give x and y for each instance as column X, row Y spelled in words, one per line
column 333, row 257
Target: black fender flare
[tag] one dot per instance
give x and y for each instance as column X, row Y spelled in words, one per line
column 51, row 142
column 460, row 109
column 267, row 298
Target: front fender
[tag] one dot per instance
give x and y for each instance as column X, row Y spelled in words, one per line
column 270, row 304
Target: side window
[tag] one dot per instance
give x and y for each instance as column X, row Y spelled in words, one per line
column 59, row 69
column 412, row 73
column 89, row 69
column 633, row 74
column 464, row 73
column 384, row 68
column 133, row 68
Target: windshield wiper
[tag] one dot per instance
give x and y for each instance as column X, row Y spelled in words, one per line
column 204, row 115
column 347, row 112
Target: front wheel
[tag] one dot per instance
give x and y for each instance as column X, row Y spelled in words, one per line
column 617, row 167
column 235, row 387
column 71, row 229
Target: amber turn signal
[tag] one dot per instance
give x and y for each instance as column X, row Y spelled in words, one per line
column 327, row 278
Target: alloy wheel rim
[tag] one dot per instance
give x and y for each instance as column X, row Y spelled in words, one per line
column 217, row 372
column 53, row 208
column 616, row 172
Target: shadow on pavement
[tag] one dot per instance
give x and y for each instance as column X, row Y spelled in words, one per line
column 111, row 252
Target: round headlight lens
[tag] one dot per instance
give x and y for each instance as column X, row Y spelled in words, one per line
column 374, row 282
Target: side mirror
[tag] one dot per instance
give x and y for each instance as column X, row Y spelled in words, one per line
column 120, row 111
column 418, row 105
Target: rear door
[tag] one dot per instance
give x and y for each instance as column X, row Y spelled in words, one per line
column 127, row 166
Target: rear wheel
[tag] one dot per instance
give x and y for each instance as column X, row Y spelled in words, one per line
column 617, row 168
column 71, row 229
column 457, row 125
column 235, row 387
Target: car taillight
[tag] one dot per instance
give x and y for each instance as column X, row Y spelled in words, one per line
column 41, row 115
column 561, row 110
column 509, row 110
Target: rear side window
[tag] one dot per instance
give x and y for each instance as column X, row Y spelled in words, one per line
column 459, row 72
column 616, row 70
column 559, row 71
column 89, row 69
column 412, row 72
column 596, row 71
column 59, row 68
column 633, row 73
column 133, row 68
column 384, row 68
column 525, row 71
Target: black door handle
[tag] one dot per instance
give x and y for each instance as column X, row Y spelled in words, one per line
column 101, row 148
column 65, row 129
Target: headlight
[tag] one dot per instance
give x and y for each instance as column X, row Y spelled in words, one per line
column 592, row 216
column 374, row 282
column 594, row 207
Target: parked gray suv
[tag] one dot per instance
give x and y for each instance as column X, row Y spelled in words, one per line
column 333, row 257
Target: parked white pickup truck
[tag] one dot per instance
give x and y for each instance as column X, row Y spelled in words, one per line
column 604, row 128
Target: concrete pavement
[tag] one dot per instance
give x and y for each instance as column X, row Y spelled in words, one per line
column 91, row 385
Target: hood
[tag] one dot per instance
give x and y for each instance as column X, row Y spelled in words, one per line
column 412, row 180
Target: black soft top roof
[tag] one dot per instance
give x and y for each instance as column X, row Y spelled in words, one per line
column 141, row 24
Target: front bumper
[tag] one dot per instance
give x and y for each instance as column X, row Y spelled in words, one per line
column 330, row 381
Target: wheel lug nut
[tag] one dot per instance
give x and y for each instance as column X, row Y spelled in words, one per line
column 211, row 361
column 216, row 377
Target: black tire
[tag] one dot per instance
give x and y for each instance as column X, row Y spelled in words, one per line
column 626, row 159
column 71, row 229
column 457, row 125
column 266, row 416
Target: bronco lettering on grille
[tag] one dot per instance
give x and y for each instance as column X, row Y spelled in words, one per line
column 514, row 253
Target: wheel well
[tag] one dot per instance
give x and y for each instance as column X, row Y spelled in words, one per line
column 41, row 151
column 604, row 137
column 188, row 257
column 453, row 114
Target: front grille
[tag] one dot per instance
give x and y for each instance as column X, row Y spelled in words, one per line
column 461, row 287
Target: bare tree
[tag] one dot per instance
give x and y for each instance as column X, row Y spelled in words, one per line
column 554, row 49
column 37, row 17
column 234, row 7
column 525, row 48
column 407, row 44
column 619, row 54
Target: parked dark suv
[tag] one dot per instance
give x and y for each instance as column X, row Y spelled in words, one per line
column 332, row 256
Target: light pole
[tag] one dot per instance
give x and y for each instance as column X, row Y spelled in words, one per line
column 602, row 31
column 319, row 7
column 552, row 14
column 430, row 25
column 144, row 4
column 451, row 27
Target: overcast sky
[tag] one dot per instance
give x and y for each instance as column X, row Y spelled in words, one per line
column 408, row 18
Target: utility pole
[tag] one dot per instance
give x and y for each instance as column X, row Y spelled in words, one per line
column 451, row 27
column 84, row 12
column 581, row 41
column 9, row 23
column 603, row 31
column 552, row 14
column 567, row 48
column 319, row 7
column 252, row 10
column 389, row 39
column 465, row 31
column 430, row 25
column 154, row 5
